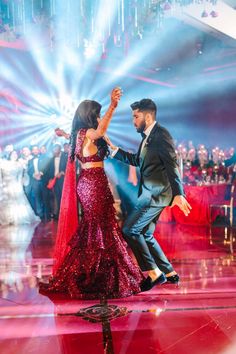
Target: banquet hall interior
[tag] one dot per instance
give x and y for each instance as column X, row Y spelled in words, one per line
column 182, row 55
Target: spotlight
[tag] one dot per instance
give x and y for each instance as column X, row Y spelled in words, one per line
column 53, row 116
column 34, row 140
column 89, row 52
column 199, row 48
column 204, row 14
column 117, row 40
column 214, row 13
column 89, row 49
column 166, row 6
column 65, row 101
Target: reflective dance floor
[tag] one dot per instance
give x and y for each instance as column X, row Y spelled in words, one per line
column 197, row 317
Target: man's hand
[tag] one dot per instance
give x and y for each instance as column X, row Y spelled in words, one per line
column 107, row 139
column 38, row 176
column 182, row 203
column 59, row 174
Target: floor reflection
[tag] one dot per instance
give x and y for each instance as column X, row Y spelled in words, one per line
column 197, row 317
column 15, row 257
column 102, row 313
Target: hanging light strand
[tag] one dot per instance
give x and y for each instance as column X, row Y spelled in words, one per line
column 23, row 16
column 122, row 16
column 32, row 8
column 13, row 16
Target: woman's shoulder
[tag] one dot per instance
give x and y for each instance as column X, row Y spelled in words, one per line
column 82, row 132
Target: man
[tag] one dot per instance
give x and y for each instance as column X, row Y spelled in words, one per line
column 57, row 167
column 160, row 186
column 66, row 148
column 231, row 160
column 37, row 171
column 43, row 151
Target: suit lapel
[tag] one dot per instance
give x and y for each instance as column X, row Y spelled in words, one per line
column 139, row 149
column 145, row 148
column 142, row 155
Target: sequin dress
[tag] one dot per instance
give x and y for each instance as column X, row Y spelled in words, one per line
column 97, row 264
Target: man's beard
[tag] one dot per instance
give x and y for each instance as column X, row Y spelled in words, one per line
column 142, row 128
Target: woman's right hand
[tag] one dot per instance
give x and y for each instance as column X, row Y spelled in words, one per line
column 61, row 132
column 115, row 96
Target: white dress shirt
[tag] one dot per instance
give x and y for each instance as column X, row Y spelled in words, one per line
column 146, row 132
column 56, row 165
column 36, row 165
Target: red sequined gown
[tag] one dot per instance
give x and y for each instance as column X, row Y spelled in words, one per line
column 97, row 264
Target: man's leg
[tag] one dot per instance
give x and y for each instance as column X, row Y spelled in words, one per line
column 58, row 193
column 38, row 198
column 46, row 203
column 155, row 249
column 144, row 246
column 28, row 193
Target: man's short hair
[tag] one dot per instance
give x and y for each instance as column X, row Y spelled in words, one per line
column 145, row 105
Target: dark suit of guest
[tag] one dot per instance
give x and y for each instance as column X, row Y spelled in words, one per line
column 159, row 183
column 57, row 165
column 39, row 164
column 230, row 162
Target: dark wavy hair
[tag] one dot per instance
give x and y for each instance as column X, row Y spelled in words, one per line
column 85, row 118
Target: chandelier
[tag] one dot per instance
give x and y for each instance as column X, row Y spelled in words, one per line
column 88, row 23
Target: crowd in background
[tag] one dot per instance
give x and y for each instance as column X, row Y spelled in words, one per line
column 43, row 169
column 200, row 165
column 41, row 174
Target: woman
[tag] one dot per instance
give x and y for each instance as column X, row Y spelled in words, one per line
column 94, row 262
column 14, row 206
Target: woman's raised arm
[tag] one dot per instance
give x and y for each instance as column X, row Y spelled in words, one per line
column 103, row 124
